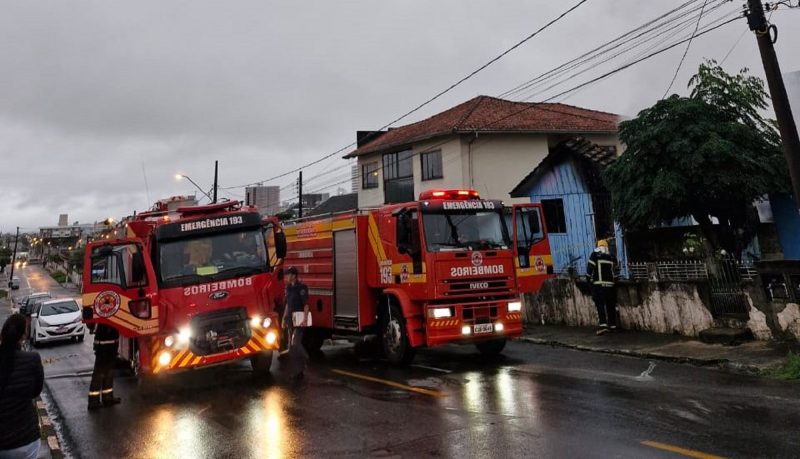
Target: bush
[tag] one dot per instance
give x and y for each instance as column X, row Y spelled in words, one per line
column 3, row 294
column 59, row 277
column 791, row 370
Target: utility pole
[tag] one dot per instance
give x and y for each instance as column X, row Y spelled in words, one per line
column 758, row 23
column 300, row 195
column 216, row 183
column 13, row 258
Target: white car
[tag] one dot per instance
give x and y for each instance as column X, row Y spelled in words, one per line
column 57, row 320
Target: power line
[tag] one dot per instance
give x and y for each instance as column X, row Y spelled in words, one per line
column 685, row 51
column 435, row 97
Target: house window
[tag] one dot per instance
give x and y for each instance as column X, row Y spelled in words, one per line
column 431, row 165
column 554, row 217
column 398, row 177
column 369, row 176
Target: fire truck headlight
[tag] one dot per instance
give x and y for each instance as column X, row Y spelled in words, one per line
column 515, row 306
column 255, row 321
column 466, row 330
column 441, row 313
column 184, row 334
column 266, row 323
column 498, row 327
column 271, row 338
column 164, row 359
column 169, row 341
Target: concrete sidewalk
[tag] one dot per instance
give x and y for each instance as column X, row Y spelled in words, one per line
column 753, row 357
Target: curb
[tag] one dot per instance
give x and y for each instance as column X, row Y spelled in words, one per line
column 49, row 434
column 722, row 364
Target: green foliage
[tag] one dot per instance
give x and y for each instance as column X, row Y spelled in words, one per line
column 790, row 370
column 59, row 277
column 3, row 294
column 76, row 258
column 5, row 257
column 710, row 154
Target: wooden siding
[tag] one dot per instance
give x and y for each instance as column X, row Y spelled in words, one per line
column 572, row 248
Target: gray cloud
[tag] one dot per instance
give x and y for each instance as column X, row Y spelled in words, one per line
column 92, row 90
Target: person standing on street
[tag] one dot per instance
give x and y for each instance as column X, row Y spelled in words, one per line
column 21, row 381
column 101, row 388
column 296, row 301
column 601, row 273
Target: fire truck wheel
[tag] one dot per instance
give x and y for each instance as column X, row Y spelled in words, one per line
column 394, row 338
column 491, row 348
column 262, row 363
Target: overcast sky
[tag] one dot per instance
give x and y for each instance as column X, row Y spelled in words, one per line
column 94, row 95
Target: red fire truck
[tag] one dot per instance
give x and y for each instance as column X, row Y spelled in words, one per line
column 448, row 268
column 189, row 288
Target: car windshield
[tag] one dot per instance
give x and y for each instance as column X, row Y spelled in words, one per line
column 63, row 307
column 465, row 230
column 215, row 256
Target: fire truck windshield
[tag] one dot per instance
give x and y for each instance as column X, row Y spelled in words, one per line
column 209, row 257
column 464, row 230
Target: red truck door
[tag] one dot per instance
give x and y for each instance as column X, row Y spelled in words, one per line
column 117, row 279
column 532, row 261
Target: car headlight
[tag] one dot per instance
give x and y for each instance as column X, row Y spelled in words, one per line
column 515, row 306
column 440, row 313
column 43, row 323
column 266, row 323
column 77, row 320
column 169, row 341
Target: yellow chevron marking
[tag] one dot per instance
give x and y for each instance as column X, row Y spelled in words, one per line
column 196, row 360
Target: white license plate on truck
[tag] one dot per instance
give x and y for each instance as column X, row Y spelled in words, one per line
column 483, row 328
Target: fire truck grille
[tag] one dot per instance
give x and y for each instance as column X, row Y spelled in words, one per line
column 471, row 287
column 219, row 331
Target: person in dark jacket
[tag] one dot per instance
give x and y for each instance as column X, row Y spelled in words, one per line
column 21, row 380
column 101, row 388
column 296, row 301
column 601, row 273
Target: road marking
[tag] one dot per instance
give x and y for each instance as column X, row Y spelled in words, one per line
column 679, row 450
column 645, row 376
column 418, row 390
column 425, row 367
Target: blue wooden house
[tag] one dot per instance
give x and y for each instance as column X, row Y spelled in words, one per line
column 575, row 202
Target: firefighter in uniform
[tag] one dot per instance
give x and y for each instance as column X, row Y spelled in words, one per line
column 101, row 388
column 296, row 301
column 601, row 272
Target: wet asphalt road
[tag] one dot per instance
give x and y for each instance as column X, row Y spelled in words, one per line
column 535, row 401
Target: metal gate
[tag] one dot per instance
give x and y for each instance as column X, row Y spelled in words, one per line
column 727, row 295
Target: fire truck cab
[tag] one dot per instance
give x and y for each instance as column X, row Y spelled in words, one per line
column 447, row 268
column 188, row 289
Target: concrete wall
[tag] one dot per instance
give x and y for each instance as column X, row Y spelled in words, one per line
column 656, row 307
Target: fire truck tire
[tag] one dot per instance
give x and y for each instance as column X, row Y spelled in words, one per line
column 394, row 338
column 262, row 363
column 491, row 348
column 313, row 339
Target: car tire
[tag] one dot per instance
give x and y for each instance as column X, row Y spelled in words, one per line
column 80, row 338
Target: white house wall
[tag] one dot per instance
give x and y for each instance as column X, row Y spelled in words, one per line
column 500, row 162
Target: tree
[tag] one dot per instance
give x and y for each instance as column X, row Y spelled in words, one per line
column 5, row 258
column 711, row 154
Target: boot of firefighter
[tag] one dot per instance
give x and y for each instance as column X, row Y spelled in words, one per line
column 94, row 400
column 109, row 399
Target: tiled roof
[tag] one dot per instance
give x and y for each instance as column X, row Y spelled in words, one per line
column 490, row 114
column 599, row 157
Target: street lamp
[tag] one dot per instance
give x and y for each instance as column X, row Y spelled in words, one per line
column 182, row 176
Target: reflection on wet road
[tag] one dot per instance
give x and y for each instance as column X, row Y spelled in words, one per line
column 533, row 402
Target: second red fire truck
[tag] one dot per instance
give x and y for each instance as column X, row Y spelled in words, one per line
column 448, row 268
column 187, row 289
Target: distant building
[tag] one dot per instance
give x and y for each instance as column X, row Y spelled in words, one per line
column 335, row 205
column 266, row 199
column 63, row 220
column 312, row 200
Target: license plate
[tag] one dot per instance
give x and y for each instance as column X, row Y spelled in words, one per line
column 483, row 328
column 61, row 329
